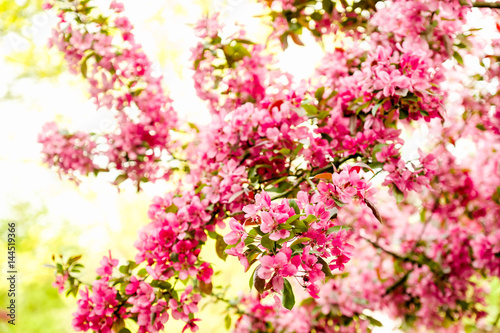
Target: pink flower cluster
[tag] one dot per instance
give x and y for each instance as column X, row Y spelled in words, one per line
column 121, row 79
column 97, row 311
column 403, row 178
column 60, row 282
column 302, row 233
column 71, row 154
column 143, row 304
column 244, row 75
column 171, row 243
column 427, row 24
column 345, row 185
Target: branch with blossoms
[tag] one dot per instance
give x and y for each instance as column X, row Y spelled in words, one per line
column 102, row 48
column 286, row 166
column 296, row 238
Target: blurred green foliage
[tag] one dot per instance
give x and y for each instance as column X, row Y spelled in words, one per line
column 16, row 15
column 23, row 24
column 39, row 308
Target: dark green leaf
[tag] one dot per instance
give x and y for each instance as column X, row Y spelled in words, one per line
column 288, row 296
column 403, row 114
column 328, row 6
column 292, row 218
column 250, row 282
column 220, row 247
column 292, row 203
column 258, row 283
column 325, row 268
column 267, row 243
column 458, row 58
column 316, row 17
column 310, row 218
column 297, row 149
column 319, row 92
column 300, row 225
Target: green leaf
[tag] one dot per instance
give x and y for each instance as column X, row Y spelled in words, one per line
column 288, row 299
column 142, row 273
column 397, row 194
column 311, row 110
column 199, row 188
column 213, row 234
column 317, row 17
column 338, row 202
column 250, row 282
column 328, row 6
column 193, row 126
column 258, row 283
column 325, row 268
column 412, row 98
column 243, row 41
column 300, row 241
column 83, row 67
column 337, row 228
column 258, row 231
column 285, row 226
column 458, row 58
column 374, row 321
column 284, row 41
column 220, row 246
column 291, row 219
column 300, row 225
column 307, row 301
column 319, row 93
column 326, row 137
column 292, row 203
column 172, row 209
column 227, row 321
column 310, row 218
column 422, row 214
column 376, row 107
column 267, row 243
column 124, row 330
column 297, row 149
column 403, row 114
column 120, row 179
column 323, row 114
